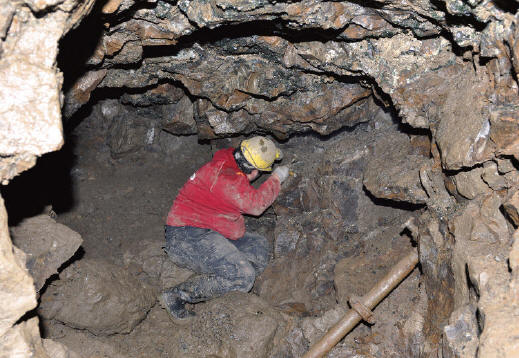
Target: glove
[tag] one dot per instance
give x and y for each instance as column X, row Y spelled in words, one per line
column 281, row 172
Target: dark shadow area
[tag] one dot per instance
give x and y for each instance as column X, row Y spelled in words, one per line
column 82, row 113
column 79, row 45
column 473, row 291
column 245, row 31
column 321, row 137
column 78, row 255
column 393, row 204
column 507, row 5
column 510, row 219
column 49, row 182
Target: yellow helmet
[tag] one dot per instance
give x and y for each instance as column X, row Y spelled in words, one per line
column 260, row 152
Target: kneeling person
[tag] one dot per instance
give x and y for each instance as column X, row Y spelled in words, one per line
column 205, row 229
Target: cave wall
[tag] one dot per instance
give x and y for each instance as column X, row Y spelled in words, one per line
column 30, row 102
column 219, row 68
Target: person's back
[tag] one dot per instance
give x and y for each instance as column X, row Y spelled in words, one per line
column 216, row 196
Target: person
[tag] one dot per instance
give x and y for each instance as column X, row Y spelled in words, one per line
column 205, row 227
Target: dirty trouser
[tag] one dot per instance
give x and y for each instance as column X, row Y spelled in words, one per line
column 223, row 265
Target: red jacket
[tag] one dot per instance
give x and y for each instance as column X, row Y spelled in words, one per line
column 217, row 195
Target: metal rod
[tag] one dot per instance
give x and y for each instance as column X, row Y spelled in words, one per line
column 370, row 300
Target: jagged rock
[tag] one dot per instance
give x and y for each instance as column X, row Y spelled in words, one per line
column 47, row 245
column 182, row 121
column 29, row 74
column 463, row 132
column 79, row 94
column 259, row 95
column 39, row 105
column 504, row 129
column 470, row 184
column 128, row 134
column 439, row 200
column 111, row 6
column 491, row 176
column 512, row 179
column 394, row 174
column 16, row 286
column 462, row 333
column 131, row 52
column 97, row 296
column 164, row 93
column 23, row 340
column 6, row 17
column 481, row 245
column 12, row 165
column 435, row 258
column 494, row 226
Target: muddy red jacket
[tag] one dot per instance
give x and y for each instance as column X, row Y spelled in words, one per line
column 216, row 196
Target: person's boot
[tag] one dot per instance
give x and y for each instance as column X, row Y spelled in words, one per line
column 175, row 305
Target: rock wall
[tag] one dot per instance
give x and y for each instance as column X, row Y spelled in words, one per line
column 30, row 97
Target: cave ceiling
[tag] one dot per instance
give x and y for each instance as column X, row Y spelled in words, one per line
column 286, row 67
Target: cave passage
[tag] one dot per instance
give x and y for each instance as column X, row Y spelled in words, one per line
column 399, row 125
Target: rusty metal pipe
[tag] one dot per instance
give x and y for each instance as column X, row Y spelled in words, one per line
column 369, row 301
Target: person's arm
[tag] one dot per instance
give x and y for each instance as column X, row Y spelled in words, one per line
column 248, row 199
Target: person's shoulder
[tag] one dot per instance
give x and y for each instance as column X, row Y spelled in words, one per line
column 223, row 154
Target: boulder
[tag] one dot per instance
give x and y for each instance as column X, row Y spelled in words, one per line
column 47, row 245
column 97, row 296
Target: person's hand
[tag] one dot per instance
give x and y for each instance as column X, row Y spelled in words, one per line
column 281, row 172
